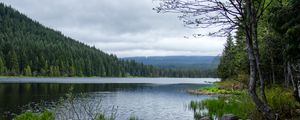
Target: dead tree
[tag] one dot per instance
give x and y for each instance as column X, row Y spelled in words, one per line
column 227, row 15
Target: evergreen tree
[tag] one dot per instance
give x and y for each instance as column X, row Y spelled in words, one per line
column 12, row 62
column 51, row 72
column 2, row 66
column 72, row 71
column 27, row 71
column 47, row 52
column 226, row 67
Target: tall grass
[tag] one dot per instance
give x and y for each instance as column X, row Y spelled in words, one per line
column 35, row 116
column 281, row 101
column 240, row 106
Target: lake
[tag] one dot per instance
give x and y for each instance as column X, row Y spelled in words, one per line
column 145, row 98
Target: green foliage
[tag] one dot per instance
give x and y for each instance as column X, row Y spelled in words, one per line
column 134, row 118
column 102, row 117
column 231, row 85
column 12, row 62
column 27, row 71
column 218, row 90
column 281, row 100
column 240, row 105
column 278, row 44
column 49, row 53
column 2, row 66
column 72, row 71
column 281, row 43
column 35, row 116
column 225, row 69
column 233, row 61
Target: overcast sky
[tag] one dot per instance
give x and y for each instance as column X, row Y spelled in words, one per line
column 121, row 27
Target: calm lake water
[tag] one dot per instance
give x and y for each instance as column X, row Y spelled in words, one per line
column 145, row 98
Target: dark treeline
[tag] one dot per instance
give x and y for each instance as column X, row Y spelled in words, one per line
column 279, row 46
column 30, row 49
column 276, row 61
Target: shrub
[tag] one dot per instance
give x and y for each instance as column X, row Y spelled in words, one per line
column 35, row 116
column 282, row 101
column 240, row 106
column 217, row 90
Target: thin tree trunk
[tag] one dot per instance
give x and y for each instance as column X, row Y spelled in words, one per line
column 261, row 106
column 295, row 84
column 264, row 108
column 273, row 70
column 254, row 22
column 298, row 91
column 286, row 74
column 257, row 60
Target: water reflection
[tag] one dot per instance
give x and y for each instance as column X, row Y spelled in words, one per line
column 144, row 100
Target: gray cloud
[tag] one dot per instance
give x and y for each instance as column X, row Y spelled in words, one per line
column 121, row 27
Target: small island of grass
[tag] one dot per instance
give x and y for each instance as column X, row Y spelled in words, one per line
column 220, row 88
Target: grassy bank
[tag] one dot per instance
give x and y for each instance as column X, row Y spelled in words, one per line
column 240, row 104
column 220, row 88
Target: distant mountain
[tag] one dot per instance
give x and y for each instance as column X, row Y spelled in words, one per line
column 179, row 62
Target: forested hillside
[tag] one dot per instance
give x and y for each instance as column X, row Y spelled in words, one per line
column 30, row 49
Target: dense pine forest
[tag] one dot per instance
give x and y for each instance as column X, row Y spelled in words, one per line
column 277, row 66
column 279, row 46
column 28, row 48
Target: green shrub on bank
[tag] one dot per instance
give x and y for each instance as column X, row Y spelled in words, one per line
column 35, row 116
column 217, row 90
column 240, row 106
column 231, row 85
column 280, row 99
